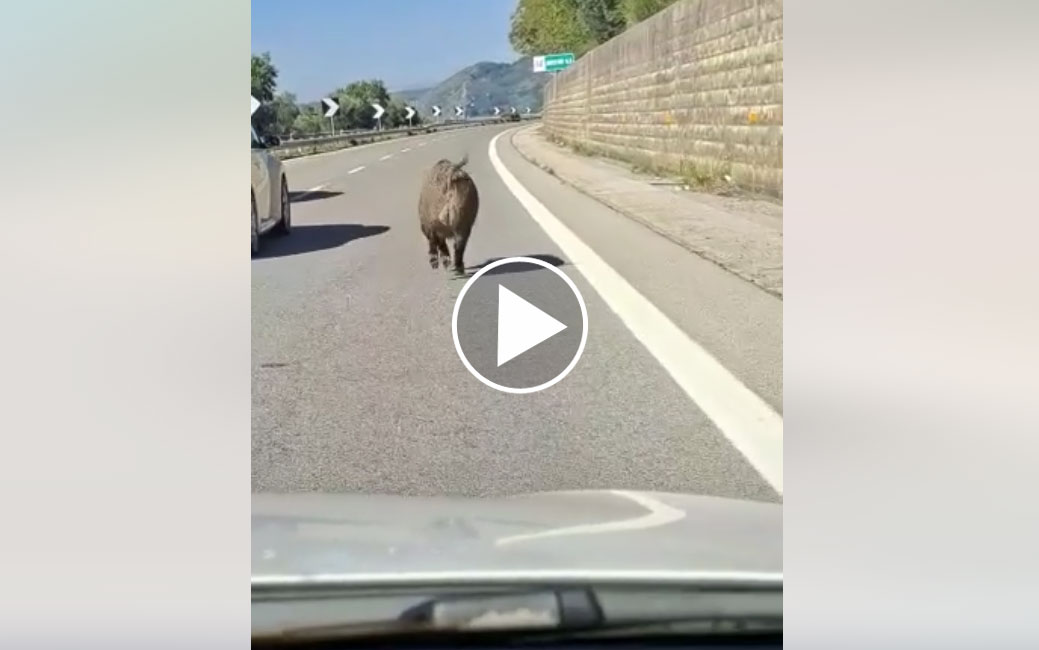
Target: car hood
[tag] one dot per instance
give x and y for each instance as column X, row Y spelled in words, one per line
column 308, row 538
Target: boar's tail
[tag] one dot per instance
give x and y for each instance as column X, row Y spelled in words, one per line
column 457, row 174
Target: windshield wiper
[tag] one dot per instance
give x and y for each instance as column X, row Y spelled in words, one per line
column 570, row 612
column 547, row 609
column 524, row 611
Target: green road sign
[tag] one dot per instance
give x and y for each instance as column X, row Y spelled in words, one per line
column 553, row 62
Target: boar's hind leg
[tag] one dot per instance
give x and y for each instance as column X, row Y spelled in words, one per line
column 445, row 255
column 434, row 261
column 461, row 239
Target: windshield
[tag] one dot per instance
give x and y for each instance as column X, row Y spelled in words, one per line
column 517, row 294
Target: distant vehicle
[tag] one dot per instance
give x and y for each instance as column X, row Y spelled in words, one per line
column 513, row 117
column 271, row 208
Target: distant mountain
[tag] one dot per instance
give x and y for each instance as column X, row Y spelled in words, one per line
column 481, row 86
column 411, row 96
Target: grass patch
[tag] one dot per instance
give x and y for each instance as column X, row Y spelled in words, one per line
column 702, row 175
column 583, row 149
column 647, row 169
column 714, row 177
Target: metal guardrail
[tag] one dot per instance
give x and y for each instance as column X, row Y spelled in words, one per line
column 358, row 135
column 364, row 136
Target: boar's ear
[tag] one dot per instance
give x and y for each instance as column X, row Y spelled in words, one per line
column 463, row 162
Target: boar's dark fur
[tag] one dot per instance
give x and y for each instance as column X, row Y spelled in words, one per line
column 447, row 207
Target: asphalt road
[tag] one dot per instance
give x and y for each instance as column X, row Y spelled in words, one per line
column 357, row 386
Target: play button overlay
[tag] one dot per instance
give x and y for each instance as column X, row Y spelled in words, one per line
column 520, row 324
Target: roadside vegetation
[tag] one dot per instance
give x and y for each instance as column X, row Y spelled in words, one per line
column 549, row 26
column 537, row 27
column 282, row 115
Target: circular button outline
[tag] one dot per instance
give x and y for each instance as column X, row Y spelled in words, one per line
column 580, row 347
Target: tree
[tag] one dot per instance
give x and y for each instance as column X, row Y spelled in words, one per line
column 602, row 18
column 264, row 77
column 309, row 122
column 547, row 26
column 281, row 115
column 355, row 104
column 635, row 11
column 396, row 115
column 264, row 81
column 285, row 112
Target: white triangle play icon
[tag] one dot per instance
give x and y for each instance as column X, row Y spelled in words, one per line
column 521, row 325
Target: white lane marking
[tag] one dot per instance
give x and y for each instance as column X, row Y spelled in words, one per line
column 292, row 162
column 387, row 156
column 405, row 150
column 299, row 160
column 659, row 514
column 750, row 424
column 355, row 170
column 422, row 144
column 316, row 188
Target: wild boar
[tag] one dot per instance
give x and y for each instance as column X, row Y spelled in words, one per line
column 447, row 207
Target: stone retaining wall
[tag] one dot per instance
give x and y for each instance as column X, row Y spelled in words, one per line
column 696, row 90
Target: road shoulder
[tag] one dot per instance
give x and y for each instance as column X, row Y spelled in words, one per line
column 736, row 321
column 743, row 236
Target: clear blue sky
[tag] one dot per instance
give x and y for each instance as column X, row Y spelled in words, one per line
column 320, row 45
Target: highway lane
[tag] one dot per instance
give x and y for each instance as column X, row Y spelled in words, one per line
column 357, row 386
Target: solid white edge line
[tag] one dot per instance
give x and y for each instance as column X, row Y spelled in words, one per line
column 749, row 423
column 355, row 170
column 659, row 514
